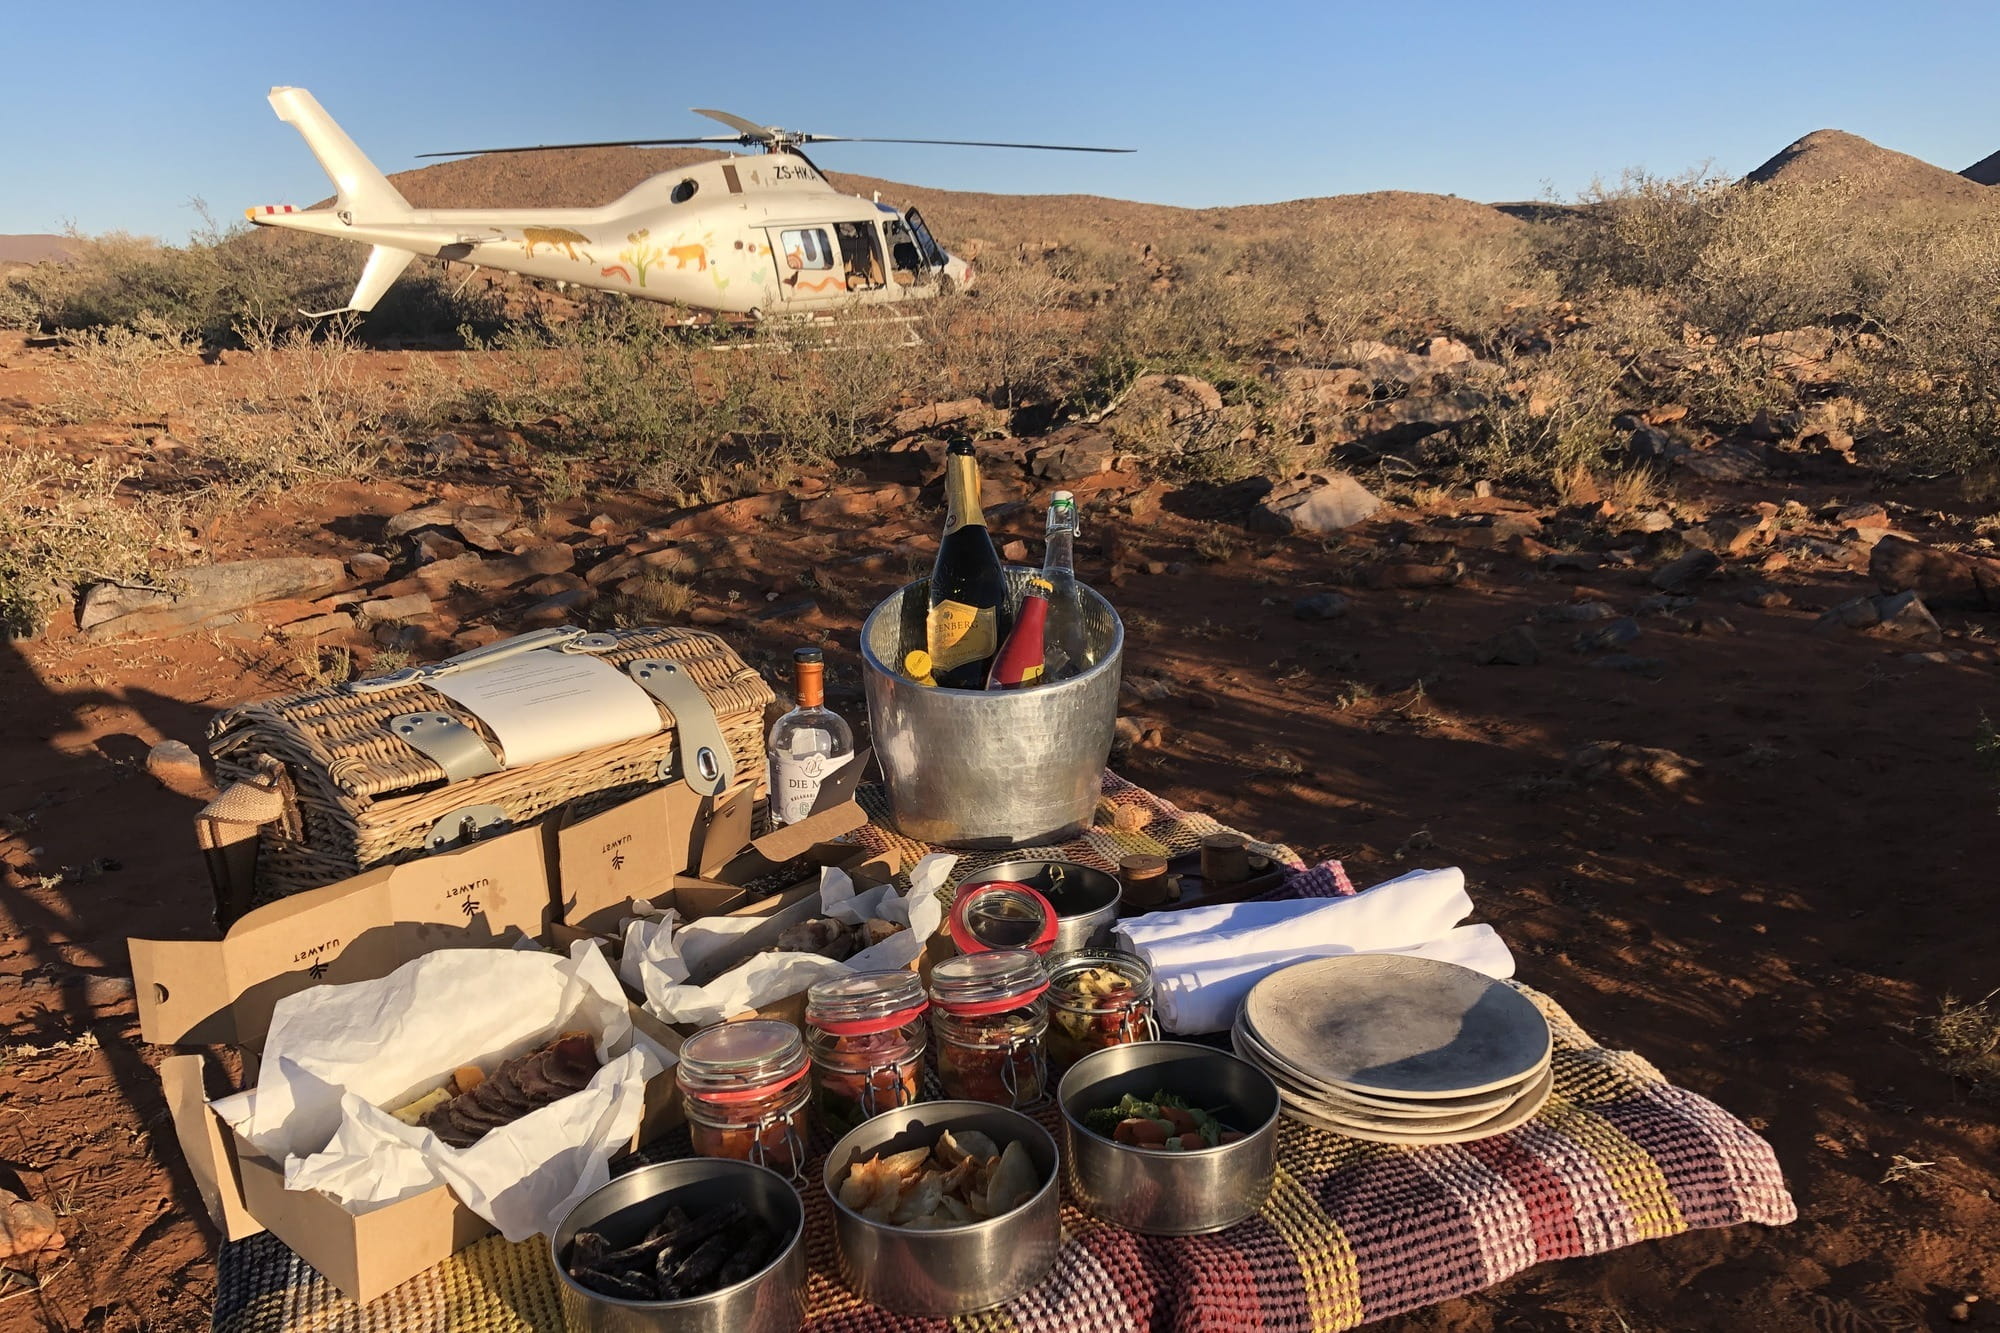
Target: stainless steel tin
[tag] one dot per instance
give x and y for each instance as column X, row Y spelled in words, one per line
column 980, row 770
column 950, row 1270
column 773, row 1301
column 1085, row 899
column 1169, row 1193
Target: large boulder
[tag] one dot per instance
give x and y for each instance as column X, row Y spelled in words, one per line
column 203, row 594
column 1952, row 580
column 480, row 525
column 1314, row 502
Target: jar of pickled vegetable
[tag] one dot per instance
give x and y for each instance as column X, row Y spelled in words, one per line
column 989, row 1017
column 867, row 1037
column 744, row 1088
column 1097, row 998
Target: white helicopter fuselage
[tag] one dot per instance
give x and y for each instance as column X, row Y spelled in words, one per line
column 763, row 234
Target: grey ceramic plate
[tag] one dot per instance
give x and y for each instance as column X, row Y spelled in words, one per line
column 1397, row 1026
column 1286, row 1075
column 1515, row 1116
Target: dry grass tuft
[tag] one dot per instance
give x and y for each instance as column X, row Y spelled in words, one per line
column 1965, row 1038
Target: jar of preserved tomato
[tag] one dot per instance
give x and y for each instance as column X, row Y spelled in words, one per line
column 744, row 1089
column 989, row 1018
column 1097, row 998
column 867, row 1038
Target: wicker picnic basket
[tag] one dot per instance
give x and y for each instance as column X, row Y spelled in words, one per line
column 331, row 790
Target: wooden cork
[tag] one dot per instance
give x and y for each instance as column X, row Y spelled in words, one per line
column 1225, row 859
column 1144, row 879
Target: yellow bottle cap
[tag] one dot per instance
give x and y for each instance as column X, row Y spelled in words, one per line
column 917, row 662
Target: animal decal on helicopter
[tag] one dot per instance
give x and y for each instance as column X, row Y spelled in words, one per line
column 753, row 237
column 561, row 238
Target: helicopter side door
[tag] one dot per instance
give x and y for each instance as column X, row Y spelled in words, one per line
column 810, row 267
column 909, row 268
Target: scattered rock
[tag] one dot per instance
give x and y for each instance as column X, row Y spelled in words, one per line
column 415, row 606
column 1949, row 580
column 973, row 413
column 484, row 573
column 1412, row 576
column 1662, row 604
column 1575, row 613
column 709, row 615
column 433, row 546
column 1510, row 647
column 27, row 1231
column 1314, row 502
column 483, row 526
column 1689, row 569
column 601, row 525
column 445, row 447
column 551, row 585
column 1868, row 514
column 476, row 636
column 1651, row 667
column 1732, row 460
column 1320, row 606
column 1763, row 596
column 1014, row 552
column 1904, row 616
column 1727, row 535
column 553, row 558
column 367, row 566
column 175, row 766
column 558, row 609
column 1128, row 732
column 1075, row 453
column 1602, row 760
column 313, row 627
column 1606, row 637
column 1652, row 520
column 1482, row 490
column 1855, row 613
column 111, row 609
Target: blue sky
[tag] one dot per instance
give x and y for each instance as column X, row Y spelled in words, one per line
column 119, row 113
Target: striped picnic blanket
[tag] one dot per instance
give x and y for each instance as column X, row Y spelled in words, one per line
column 1352, row 1231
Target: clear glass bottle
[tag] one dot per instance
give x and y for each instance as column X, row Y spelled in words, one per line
column 1066, row 633
column 808, row 744
column 989, row 1017
column 1097, row 998
column 867, row 1036
column 743, row 1086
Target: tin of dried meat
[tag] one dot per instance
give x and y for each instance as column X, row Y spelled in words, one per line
column 682, row 1257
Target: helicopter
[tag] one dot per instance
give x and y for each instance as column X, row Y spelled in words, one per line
column 746, row 236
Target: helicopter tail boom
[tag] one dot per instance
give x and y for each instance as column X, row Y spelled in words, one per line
column 361, row 188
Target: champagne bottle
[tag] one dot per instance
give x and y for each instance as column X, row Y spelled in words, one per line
column 968, row 591
column 808, row 744
column 917, row 666
column 1019, row 662
column 1068, row 635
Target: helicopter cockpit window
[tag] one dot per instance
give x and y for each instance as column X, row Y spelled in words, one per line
column 906, row 261
column 684, row 191
column 806, row 249
column 861, row 252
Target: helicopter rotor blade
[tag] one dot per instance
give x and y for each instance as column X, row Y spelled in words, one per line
column 967, row 143
column 738, row 123
column 609, row 143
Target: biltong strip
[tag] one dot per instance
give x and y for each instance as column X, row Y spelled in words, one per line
column 625, row 1286
column 692, row 1272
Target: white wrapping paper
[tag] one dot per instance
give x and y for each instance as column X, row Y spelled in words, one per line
column 336, row 1055
column 1206, row 959
column 660, row 954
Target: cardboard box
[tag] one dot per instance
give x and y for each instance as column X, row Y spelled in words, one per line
column 491, row 894
column 692, row 853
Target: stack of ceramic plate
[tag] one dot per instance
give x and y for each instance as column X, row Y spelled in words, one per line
column 1397, row 1049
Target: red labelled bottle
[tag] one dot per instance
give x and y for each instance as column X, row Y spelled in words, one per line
column 1019, row 663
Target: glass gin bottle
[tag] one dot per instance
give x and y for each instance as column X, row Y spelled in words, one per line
column 808, row 744
column 1067, row 634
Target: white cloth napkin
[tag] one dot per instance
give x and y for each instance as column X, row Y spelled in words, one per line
column 1206, row 959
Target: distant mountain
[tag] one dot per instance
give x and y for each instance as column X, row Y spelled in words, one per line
column 32, row 249
column 1986, row 171
column 1881, row 174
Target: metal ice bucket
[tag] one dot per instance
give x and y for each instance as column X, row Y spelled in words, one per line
column 979, row 770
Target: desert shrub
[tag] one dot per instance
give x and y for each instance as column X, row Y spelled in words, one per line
column 1012, row 340
column 121, row 374
column 1646, row 231
column 224, row 280
column 64, row 524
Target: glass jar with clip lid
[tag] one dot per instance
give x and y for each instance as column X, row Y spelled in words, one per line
column 867, row 1037
column 746, row 1095
column 1097, row 998
column 989, row 1017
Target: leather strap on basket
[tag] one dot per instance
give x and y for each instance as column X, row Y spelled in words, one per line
column 705, row 760
column 227, row 830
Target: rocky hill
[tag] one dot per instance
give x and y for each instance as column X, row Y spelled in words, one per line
column 32, row 249
column 1986, row 171
column 1882, row 174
